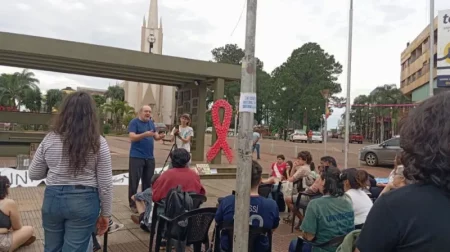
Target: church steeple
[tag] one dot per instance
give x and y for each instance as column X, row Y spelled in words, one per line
column 153, row 15
column 143, row 23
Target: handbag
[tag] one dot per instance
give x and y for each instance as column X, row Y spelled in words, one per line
column 286, row 187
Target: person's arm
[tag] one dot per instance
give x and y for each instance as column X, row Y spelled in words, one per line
column 381, row 232
column 386, row 189
column 14, row 215
column 104, row 178
column 132, row 132
column 38, row 168
column 309, row 223
column 172, row 134
column 299, row 173
column 156, row 135
column 188, row 137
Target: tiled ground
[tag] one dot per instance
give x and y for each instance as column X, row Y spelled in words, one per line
column 131, row 238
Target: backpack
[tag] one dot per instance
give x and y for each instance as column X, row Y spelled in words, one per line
column 178, row 203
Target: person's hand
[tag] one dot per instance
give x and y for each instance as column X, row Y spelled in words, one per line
column 381, row 185
column 162, row 135
column 102, row 225
column 149, row 133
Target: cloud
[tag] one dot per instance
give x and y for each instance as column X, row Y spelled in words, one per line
column 193, row 28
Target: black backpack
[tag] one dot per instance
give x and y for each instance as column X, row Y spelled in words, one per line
column 177, row 203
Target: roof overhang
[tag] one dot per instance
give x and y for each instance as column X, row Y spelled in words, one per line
column 56, row 55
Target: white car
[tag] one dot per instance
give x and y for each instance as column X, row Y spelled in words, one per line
column 298, row 136
column 317, row 137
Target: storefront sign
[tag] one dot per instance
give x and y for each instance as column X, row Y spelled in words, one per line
column 443, row 49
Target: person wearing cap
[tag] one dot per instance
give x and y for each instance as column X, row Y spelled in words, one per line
column 183, row 133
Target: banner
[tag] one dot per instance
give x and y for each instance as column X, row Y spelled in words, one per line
column 19, row 178
column 443, row 49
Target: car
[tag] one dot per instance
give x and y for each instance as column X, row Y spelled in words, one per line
column 317, row 137
column 209, row 130
column 335, row 135
column 356, row 138
column 161, row 128
column 298, row 136
column 381, row 154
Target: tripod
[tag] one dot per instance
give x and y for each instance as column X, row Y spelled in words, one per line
column 174, row 146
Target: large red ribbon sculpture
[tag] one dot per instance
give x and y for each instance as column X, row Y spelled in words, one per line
column 221, row 130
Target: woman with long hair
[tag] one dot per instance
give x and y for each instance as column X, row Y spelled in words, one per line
column 12, row 234
column 329, row 216
column 355, row 181
column 76, row 162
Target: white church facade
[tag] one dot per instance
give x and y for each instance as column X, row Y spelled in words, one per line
column 160, row 98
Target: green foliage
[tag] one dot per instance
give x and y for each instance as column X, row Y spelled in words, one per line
column 116, row 93
column 99, row 100
column 14, row 87
column 106, row 128
column 32, row 99
column 53, row 99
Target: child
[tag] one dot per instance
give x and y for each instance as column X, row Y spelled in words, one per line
column 278, row 171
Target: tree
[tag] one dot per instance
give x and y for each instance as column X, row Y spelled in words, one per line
column 233, row 54
column 118, row 110
column 99, row 100
column 298, row 83
column 32, row 100
column 53, row 99
column 116, row 93
column 13, row 87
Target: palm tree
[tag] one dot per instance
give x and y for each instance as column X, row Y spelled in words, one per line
column 115, row 93
column 33, row 100
column 53, row 99
column 13, row 87
column 118, row 110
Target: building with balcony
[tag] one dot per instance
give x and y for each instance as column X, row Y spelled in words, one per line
column 415, row 66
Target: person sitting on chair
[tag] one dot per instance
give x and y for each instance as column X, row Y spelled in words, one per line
column 327, row 217
column 263, row 212
column 144, row 206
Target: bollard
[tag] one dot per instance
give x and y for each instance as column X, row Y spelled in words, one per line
column 271, row 147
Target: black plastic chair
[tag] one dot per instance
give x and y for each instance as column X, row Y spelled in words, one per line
column 105, row 241
column 197, row 199
column 265, row 190
column 194, row 229
column 254, row 233
column 335, row 242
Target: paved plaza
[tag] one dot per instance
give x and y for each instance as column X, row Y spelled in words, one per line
column 131, row 238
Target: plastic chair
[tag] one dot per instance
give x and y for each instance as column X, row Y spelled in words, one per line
column 197, row 199
column 299, row 206
column 194, row 229
column 254, row 233
column 335, row 242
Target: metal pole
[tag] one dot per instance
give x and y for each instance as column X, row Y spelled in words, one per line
column 431, row 48
column 244, row 164
column 349, row 80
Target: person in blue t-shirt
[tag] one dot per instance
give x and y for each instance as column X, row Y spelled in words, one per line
column 263, row 212
column 142, row 132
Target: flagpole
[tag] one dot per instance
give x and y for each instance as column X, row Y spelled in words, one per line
column 349, row 79
column 431, row 83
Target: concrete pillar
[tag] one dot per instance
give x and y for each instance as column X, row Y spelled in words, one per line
column 219, row 92
column 198, row 153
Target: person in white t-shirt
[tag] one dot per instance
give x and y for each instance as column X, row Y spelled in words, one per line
column 354, row 183
column 183, row 134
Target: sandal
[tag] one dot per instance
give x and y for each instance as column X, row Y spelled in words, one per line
column 287, row 219
column 29, row 241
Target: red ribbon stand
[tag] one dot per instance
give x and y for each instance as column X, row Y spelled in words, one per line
column 221, row 130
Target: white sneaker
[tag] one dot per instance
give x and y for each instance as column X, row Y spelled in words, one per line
column 114, row 227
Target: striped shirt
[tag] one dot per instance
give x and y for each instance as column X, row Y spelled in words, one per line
column 97, row 173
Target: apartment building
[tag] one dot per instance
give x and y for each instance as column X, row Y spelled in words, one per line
column 415, row 66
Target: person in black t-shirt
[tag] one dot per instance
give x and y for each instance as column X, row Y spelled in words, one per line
column 415, row 218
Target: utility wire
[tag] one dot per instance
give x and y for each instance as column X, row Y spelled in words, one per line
column 239, row 20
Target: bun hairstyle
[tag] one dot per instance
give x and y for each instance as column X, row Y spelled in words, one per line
column 307, row 157
column 357, row 178
column 4, row 185
column 256, row 174
column 334, row 181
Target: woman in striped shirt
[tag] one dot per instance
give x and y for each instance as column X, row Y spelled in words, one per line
column 76, row 162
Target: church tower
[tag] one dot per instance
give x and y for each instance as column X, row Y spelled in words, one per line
column 160, row 98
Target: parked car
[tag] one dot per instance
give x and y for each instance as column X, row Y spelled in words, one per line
column 161, row 128
column 383, row 153
column 317, row 137
column 335, row 135
column 209, row 130
column 298, row 136
column 356, row 138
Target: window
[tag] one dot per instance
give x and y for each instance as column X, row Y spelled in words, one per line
column 393, row 142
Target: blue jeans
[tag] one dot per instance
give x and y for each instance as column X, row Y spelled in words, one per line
column 305, row 248
column 69, row 216
column 257, row 148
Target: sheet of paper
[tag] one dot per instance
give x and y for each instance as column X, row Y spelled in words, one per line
column 247, row 102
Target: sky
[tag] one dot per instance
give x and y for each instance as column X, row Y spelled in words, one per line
column 192, row 28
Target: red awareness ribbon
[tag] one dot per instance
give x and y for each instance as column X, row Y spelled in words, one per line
column 221, row 130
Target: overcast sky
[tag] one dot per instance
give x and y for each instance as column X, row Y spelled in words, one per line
column 192, row 28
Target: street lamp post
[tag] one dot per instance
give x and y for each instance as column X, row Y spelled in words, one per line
column 326, row 95
column 349, row 80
